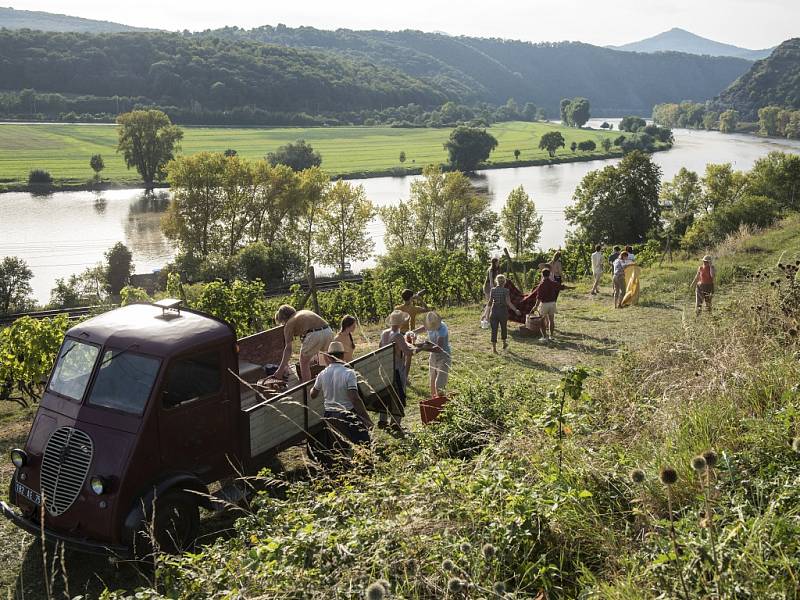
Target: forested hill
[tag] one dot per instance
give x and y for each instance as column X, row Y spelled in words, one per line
column 11, row 18
column 202, row 73
column 493, row 70
column 774, row 81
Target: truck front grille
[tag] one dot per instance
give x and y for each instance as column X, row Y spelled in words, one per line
column 66, row 462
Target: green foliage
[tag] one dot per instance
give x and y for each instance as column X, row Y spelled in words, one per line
column 552, row 141
column 618, row 204
column 97, row 164
column 297, row 156
column 777, row 176
column 270, row 264
column 342, row 233
column 241, row 304
column 118, row 268
column 15, row 285
column 133, row 295
column 728, row 121
column 780, row 122
column 575, row 112
column 40, row 177
column 632, row 124
column 681, row 199
column 712, row 228
column 148, row 141
column 28, row 349
column 587, row 146
column 468, row 147
column 520, row 224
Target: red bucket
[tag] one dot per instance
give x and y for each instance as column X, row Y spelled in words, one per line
column 429, row 410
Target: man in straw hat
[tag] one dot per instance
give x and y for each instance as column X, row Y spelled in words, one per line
column 703, row 283
column 345, row 413
column 438, row 344
column 402, row 354
column 314, row 332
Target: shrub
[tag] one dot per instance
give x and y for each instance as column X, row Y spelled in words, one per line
column 587, row 146
column 712, row 228
column 40, row 177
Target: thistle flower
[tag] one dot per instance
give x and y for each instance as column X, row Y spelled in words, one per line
column 499, row 588
column 465, row 547
column 375, row 591
column 699, row 463
column 448, row 565
column 488, row 551
column 455, row 585
column 386, row 585
column 637, row 476
column 668, row 475
column 796, row 444
column 711, row 458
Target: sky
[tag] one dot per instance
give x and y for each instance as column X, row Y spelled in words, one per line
column 748, row 23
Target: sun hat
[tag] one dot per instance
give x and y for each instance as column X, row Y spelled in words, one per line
column 707, row 258
column 336, row 348
column 500, row 280
column 433, row 320
column 398, row 317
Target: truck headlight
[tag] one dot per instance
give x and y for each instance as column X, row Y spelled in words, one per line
column 98, row 485
column 19, row 458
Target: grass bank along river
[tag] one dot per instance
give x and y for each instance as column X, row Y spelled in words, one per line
column 65, row 149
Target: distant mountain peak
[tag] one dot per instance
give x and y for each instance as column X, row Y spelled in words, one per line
column 678, row 39
column 11, row 18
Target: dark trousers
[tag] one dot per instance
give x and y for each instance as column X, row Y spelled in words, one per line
column 345, row 428
column 502, row 323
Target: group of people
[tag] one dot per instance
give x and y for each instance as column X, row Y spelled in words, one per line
column 345, row 415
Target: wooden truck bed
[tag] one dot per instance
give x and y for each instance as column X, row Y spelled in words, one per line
column 290, row 418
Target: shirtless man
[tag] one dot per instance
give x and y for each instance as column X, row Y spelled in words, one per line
column 314, row 333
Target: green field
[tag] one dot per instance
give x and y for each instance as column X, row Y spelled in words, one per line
column 64, row 150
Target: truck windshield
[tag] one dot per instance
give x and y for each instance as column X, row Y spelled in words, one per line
column 73, row 368
column 124, row 381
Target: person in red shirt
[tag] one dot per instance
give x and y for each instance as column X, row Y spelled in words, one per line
column 546, row 297
column 704, row 284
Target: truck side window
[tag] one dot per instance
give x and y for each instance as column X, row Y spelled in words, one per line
column 192, row 378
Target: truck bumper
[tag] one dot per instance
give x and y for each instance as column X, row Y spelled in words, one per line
column 80, row 545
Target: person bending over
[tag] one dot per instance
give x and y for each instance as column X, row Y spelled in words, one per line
column 314, row 333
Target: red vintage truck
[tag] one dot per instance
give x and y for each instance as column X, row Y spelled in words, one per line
column 144, row 410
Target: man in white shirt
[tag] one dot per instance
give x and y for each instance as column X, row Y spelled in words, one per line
column 597, row 268
column 345, row 413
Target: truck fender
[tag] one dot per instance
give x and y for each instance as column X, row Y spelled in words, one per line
column 142, row 508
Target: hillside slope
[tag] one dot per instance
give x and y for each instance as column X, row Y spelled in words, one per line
column 11, row 18
column 772, row 81
column 680, row 40
column 493, row 70
column 202, row 73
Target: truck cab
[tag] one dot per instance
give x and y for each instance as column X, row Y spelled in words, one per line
column 145, row 407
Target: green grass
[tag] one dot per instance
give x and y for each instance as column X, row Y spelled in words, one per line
column 64, row 150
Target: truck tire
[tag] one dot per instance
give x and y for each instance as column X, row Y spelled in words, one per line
column 174, row 526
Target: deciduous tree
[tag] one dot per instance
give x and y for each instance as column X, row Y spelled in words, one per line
column 520, row 224
column 15, row 286
column 552, row 141
column 118, row 268
column 468, row 147
column 97, row 164
column 728, row 121
column 298, row 156
column 148, row 141
column 342, row 233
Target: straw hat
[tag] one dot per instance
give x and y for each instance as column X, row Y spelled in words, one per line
column 433, row 320
column 500, row 280
column 707, row 258
column 398, row 317
column 336, row 347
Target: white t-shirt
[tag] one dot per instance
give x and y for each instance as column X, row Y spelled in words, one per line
column 598, row 261
column 335, row 383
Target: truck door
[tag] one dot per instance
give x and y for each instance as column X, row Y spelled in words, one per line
column 195, row 423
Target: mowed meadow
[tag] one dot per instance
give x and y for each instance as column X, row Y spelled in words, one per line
column 65, row 149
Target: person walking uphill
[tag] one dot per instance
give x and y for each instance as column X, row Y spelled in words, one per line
column 438, row 344
column 546, row 298
column 703, row 283
column 403, row 352
column 345, row 414
column 314, row 333
column 500, row 302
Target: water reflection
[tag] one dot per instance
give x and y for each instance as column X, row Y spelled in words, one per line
column 63, row 233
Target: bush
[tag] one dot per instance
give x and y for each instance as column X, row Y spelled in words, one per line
column 272, row 265
column 39, row 177
column 712, row 228
column 587, row 146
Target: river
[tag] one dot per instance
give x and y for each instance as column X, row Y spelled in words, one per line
column 65, row 232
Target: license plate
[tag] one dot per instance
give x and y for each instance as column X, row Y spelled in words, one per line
column 28, row 493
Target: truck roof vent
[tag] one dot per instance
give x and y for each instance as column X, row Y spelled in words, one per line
column 66, row 461
column 170, row 308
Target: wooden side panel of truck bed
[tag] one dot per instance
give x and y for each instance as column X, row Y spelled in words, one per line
column 288, row 419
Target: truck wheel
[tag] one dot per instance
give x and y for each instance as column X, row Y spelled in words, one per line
column 176, row 522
